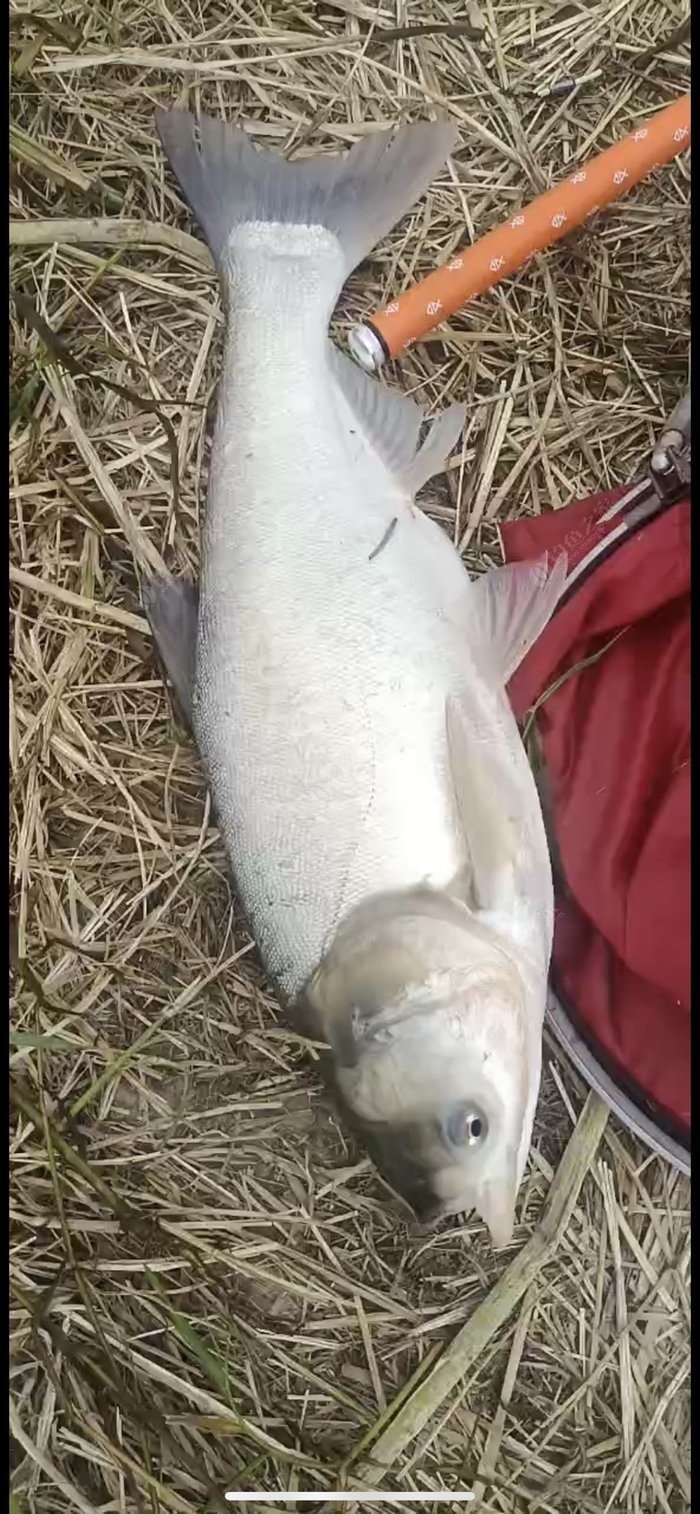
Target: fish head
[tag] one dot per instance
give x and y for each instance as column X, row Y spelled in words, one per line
column 438, row 1085
column 437, row 1053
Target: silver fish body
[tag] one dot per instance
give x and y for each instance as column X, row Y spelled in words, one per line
column 327, row 749
column 349, row 696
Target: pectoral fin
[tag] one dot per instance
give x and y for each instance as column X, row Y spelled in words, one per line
column 171, row 606
column 489, row 801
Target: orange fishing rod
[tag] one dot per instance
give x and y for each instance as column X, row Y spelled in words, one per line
column 473, row 270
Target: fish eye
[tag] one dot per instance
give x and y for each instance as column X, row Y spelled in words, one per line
column 467, row 1126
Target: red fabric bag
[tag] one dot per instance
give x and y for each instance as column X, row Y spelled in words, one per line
column 615, row 738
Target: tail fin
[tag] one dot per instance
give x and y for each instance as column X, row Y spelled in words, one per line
column 358, row 196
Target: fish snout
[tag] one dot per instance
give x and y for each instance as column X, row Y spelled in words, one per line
column 435, row 1188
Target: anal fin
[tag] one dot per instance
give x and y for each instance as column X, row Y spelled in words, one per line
column 392, row 422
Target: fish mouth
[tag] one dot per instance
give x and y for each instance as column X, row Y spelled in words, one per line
column 494, row 1204
column 435, row 1191
column 495, row 1207
column 493, row 1201
column 419, row 1197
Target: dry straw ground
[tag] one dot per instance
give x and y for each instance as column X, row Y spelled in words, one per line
column 210, row 1288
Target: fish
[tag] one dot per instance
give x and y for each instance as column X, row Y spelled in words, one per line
column 345, row 681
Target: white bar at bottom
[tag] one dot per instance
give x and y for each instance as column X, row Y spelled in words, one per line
column 350, row 1497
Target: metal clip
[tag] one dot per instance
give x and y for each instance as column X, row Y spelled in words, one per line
column 669, row 469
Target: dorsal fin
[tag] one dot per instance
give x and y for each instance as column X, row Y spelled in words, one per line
column 392, row 423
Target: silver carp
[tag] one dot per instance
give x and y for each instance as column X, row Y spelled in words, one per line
column 345, row 681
